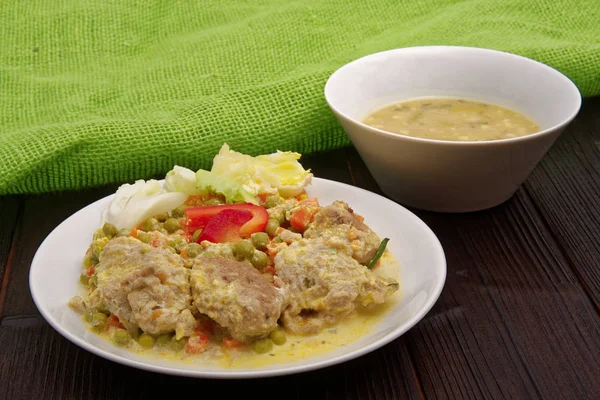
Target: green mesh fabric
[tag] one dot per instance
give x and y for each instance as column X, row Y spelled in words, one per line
column 105, row 91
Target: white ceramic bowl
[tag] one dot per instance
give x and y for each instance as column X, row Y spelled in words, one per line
column 441, row 175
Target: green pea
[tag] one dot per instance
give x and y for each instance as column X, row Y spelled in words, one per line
column 87, row 316
column 93, row 282
column 177, row 243
column 89, row 259
column 124, row 232
column 273, row 201
column 272, row 227
column 146, row 341
column 260, row 240
column 84, row 279
column 99, row 234
column 213, row 202
column 174, row 241
column 99, row 320
column 177, row 345
column 259, row 259
column 110, row 230
column 294, row 230
column 148, row 225
column 263, row 345
column 280, row 217
column 196, row 235
column 171, row 249
column 122, row 337
column 102, row 309
column 278, row 337
column 97, row 251
column 193, row 250
column 163, row 340
column 172, row 225
column 179, row 211
column 144, row 237
column 243, row 249
column 162, row 217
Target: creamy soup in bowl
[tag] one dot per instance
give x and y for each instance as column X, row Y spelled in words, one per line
column 451, row 119
column 463, row 171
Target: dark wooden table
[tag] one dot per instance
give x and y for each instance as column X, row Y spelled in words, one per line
column 518, row 317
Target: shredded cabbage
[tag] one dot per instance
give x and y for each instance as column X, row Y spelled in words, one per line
column 239, row 177
column 279, row 172
column 181, row 179
column 232, row 190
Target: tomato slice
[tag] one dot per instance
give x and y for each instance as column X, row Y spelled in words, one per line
column 199, row 218
column 225, row 226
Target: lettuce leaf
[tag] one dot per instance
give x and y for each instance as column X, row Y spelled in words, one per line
column 277, row 173
column 183, row 180
column 231, row 189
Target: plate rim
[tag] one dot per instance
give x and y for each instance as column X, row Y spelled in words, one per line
column 261, row 373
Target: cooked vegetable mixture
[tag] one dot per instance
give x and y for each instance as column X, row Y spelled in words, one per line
column 213, row 265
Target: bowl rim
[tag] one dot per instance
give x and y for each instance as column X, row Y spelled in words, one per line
column 497, row 142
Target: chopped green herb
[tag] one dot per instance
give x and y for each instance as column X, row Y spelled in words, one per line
column 378, row 253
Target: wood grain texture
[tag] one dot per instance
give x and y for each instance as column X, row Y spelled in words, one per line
column 9, row 213
column 566, row 189
column 40, row 214
column 332, row 165
column 515, row 321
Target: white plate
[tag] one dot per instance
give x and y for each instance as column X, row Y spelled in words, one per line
column 53, row 280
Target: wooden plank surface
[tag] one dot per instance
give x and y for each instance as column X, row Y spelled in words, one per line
column 516, row 321
column 517, row 318
column 40, row 215
column 9, row 215
column 566, row 189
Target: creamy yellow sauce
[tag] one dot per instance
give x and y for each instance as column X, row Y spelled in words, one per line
column 297, row 347
column 451, row 119
column 301, row 347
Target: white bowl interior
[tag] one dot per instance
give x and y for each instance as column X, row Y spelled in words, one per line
column 532, row 88
column 57, row 264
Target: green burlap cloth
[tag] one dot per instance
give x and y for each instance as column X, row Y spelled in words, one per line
column 95, row 92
